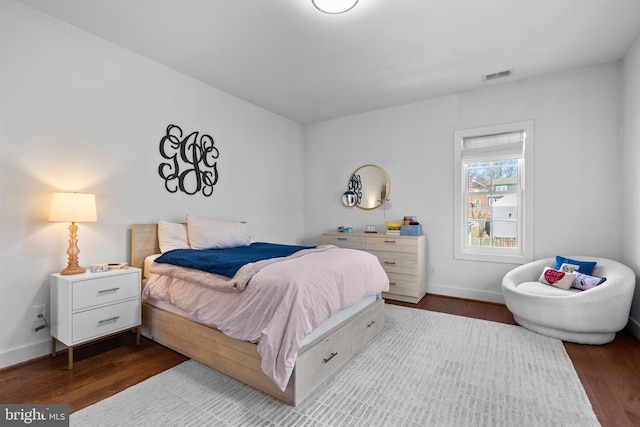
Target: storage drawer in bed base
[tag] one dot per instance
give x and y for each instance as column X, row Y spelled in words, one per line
column 240, row 359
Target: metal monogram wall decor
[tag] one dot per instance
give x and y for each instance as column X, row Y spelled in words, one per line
column 355, row 185
column 191, row 165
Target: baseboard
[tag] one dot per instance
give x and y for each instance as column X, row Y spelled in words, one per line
column 634, row 327
column 24, row 353
column 466, row 293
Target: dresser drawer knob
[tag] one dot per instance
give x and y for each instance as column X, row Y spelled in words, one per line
column 109, row 320
column 329, row 358
column 104, row 291
column 373, row 322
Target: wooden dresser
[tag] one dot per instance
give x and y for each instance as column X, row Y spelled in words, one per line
column 404, row 258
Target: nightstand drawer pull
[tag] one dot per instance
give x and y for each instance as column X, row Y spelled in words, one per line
column 373, row 322
column 329, row 358
column 104, row 291
column 390, row 263
column 389, row 241
column 341, row 238
column 392, row 283
column 109, row 320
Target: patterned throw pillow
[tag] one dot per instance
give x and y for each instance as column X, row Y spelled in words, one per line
column 557, row 278
column 585, row 282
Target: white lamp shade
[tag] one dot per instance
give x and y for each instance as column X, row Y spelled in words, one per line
column 334, row 6
column 73, row 207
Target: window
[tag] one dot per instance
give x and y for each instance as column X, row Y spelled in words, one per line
column 494, row 193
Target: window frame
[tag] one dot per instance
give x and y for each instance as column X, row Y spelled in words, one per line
column 525, row 193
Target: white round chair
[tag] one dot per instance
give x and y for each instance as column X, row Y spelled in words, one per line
column 585, row 317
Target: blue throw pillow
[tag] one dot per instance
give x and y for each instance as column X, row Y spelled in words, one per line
column 584, row 267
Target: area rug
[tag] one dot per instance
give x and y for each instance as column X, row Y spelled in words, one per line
column 423, row 369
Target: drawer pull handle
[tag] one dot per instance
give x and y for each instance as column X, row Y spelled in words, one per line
column 392, row 283
column 371, row 324
column 104, row 291
column 341, row 238
column 111, row 319
column 329, row 358
column 390, row 263
column 389, row 241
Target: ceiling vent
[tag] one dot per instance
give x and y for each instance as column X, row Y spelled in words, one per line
column 498, row 75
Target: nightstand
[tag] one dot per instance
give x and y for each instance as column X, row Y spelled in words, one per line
column 90, row 306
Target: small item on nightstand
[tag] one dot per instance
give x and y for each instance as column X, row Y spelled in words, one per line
column 99, row 267
column 370, row 229
column 117, row 265
column 344, row 229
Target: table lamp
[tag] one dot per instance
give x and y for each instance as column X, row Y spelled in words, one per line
column 73, row 207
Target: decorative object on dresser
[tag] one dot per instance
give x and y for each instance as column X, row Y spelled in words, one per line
column 92, row 306
column 73, row 207
column 403, row 257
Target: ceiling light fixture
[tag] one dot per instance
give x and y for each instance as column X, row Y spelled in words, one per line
column 334, row 6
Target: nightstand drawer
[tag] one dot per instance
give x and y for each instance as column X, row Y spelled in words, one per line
column 344, row 241
column 105, row 290
column 104, row 320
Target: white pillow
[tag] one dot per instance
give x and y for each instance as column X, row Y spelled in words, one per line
column 172, row 235
column 208, row 233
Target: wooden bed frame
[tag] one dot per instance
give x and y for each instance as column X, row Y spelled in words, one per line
column 240, row 359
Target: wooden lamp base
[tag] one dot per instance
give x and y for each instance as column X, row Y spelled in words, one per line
column 73, row 267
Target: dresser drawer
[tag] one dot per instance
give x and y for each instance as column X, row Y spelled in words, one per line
column 392, row 243
column 398, row 262
column 366, row 325
column 104, row 320
column 402, row 281
column 323, row 359
column 344, row 240
column 104, row 290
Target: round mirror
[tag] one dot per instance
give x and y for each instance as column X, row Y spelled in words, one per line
column 349, row 198
column 371, row 185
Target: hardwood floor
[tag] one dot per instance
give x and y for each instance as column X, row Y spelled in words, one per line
column 609, row 373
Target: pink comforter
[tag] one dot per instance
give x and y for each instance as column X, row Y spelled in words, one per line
column 283, row 302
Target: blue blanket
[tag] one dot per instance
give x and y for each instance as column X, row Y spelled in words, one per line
column 227, row 262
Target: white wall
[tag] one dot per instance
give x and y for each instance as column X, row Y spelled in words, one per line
column 80, row 114
column 578, row 195
column 631, row 177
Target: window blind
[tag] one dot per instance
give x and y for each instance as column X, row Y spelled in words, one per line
column 486, row 148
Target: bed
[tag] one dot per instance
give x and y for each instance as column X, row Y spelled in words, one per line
column 328, row 347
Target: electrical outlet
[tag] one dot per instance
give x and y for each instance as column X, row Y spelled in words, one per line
column 37, row 311
column 432, row 269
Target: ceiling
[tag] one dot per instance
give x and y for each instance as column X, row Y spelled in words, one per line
column 289, row 58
